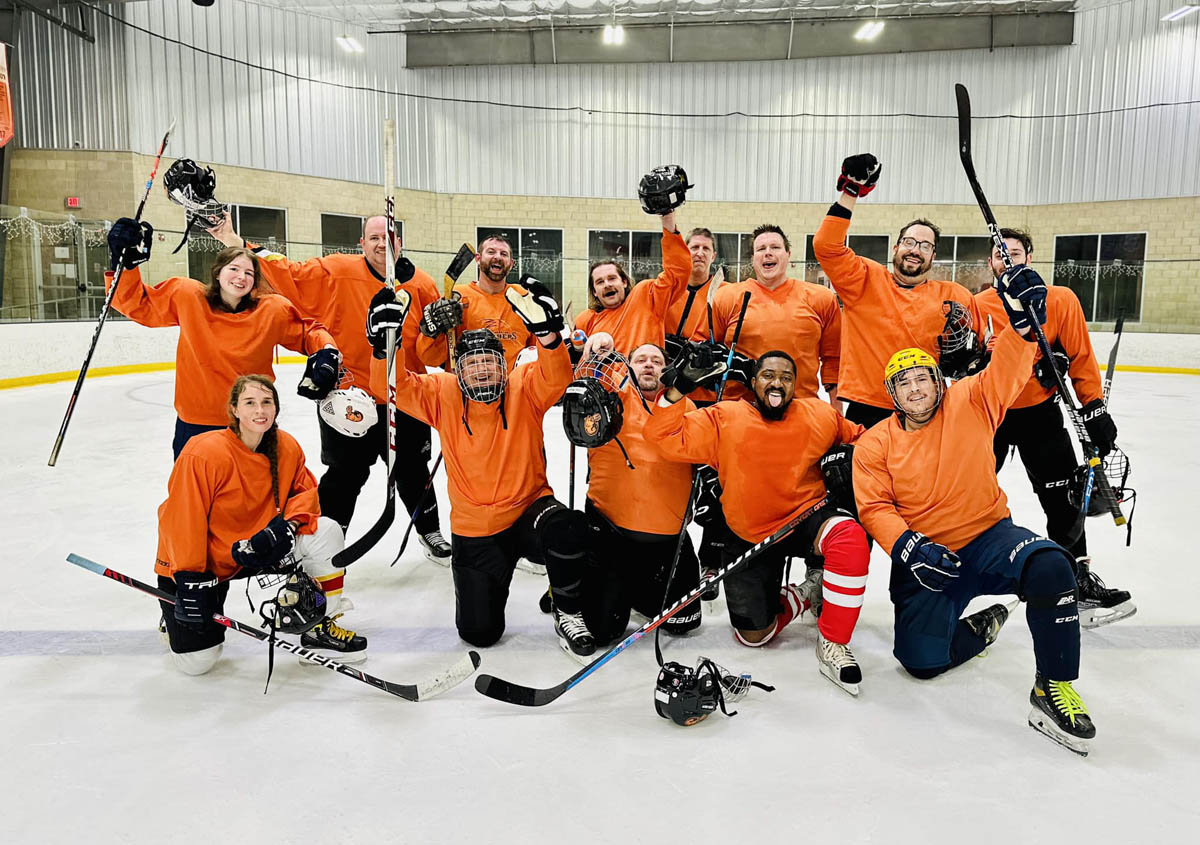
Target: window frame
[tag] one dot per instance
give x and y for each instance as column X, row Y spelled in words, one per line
column 518, row 259
column 1096, row 278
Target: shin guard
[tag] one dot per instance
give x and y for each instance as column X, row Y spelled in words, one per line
column 1048, row 586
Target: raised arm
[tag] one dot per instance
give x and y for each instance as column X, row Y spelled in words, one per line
column 847, row 272
column 682, row 435
column 149, row 306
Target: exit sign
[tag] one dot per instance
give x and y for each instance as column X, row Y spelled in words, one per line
column 74, row 202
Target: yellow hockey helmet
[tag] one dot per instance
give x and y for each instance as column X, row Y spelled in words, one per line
column 905, row 361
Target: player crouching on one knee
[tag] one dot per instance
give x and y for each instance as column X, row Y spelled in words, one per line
column 766, row 455
column 926, row 488
column 489, row 423
column 241, row 502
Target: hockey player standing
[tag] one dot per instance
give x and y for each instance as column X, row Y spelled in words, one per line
column 336, row 290
column 926, row 489
column 1034, row 425
column 884, row 310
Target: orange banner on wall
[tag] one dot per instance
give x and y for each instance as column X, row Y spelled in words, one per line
column 6, row 112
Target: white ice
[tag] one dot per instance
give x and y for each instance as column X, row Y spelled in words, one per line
column 105, row 742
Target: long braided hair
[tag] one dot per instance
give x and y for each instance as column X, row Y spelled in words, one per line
column 269, row 445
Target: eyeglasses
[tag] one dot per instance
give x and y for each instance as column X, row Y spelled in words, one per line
column 925, row 246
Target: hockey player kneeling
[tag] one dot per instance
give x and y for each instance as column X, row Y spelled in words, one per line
column 241, row 502
column 489, row 422
column 766, row 455
column 926, row 488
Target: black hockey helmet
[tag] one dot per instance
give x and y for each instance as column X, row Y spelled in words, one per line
column 685, row 696
column 1115, row 467
column 190, row 185
column 480, row 365
column 960, row 353
column 299, row 605
column 592, row 414
column 663, row 189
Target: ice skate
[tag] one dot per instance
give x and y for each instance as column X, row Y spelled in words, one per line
column 437, row 550
column 1098, row 604
column 838, row 664
column 332, row 640
column 573, row 636
column 1059, row 713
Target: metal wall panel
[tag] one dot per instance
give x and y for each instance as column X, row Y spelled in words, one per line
column 313, row 109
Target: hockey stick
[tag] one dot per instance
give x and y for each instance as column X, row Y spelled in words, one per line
column 438, row 684
column 461, row 259
column 712, row 295
column 374, row 534
column 1112, row 356
column 507, row 691
column 412, row 518
column 718, row 279
column 1090, row 452
column 87, row 361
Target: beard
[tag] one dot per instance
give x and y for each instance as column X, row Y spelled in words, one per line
column 923, row 267
column 648, row 381
column 496, row 273
column 773, row 413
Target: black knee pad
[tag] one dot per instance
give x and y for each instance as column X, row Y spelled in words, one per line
column 566, row 534
column 1048, row 577
column 481, row 638
column 925, row 674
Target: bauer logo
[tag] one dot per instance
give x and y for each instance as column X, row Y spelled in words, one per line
column 1016, row 551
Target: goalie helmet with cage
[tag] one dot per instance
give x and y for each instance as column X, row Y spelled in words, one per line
column 687, row 695
column 592, row 409
column 480, row 366
column 905, row 366
column 1115, row 467
column 298, row 607
column 960, row 353
column 192, row 187
column 663, row 189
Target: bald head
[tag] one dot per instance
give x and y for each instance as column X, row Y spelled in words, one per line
column 374, row 243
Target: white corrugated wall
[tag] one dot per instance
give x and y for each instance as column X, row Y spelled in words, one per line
column 121, row 92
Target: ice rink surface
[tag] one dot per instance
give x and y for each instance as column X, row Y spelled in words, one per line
column 105, row 742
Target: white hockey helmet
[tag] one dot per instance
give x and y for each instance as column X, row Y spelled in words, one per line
column 349, row 411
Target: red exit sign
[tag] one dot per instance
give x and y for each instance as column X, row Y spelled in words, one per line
column 74, row 202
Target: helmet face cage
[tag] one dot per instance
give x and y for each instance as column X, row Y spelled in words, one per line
column 482, row 374
column 958, row 333
column 299, row 606
column 608, row 367
column 934, row 373
column 1116, row 471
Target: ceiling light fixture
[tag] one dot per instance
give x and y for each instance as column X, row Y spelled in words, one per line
column 869, row 31
column 350, row 44
column 1181, row 12
column 614, row 33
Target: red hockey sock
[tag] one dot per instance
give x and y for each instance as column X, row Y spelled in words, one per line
column 844, row 545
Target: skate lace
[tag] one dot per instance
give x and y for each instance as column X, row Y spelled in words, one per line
column 1094, row 583
column 572, row 624
column 837, row 654
column 435, row 538
column 337, row 631
column 1066, row 700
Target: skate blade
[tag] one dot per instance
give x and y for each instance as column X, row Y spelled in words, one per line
column 530, row 567
column 581, row 659
column 432, row 558
column 1040, row 722
column 352, row 658
column 1097, row 617
column 852, row 689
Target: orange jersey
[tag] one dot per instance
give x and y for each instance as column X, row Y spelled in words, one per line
column 798, row 317
column 481, row 310
column 941, row 479
column 697, row 317
column 497, row 469
column 881, row 316
column 220, row 492
column 336, row 289
column 768, row 469
column 215, row 347
column 650, row 498
column 1065, row 324
column 639, row 319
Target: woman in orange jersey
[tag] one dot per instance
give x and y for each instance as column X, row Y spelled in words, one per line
column 337, row 289
column 478, row 305
column 926, row 488
column 241, row 502
column 489, row 422
column 884, row 309
column 636, row 499
column 766, row 455
column 633, row 314
column 229, row 326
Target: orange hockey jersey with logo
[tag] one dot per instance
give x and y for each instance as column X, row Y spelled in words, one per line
column 881, row 317
column 481, row 310
column 337, row 289
column 215, row 347
column 650, row 498
column 798, row 317
column 639, row 319
column 940, row 480
column 768, row 468
column 219, row 492
column 1066, row 326
column 495, row 464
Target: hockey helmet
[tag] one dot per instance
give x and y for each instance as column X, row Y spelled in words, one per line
column 685, row 696
column 1115, row 467
column 191, row 186
column 349, row 411
column 480, row 365
column 911, row 361
column 960, row 353
column 592, row 414
column 663, row 189
column 299, row 605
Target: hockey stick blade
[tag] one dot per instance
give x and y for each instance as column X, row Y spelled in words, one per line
column 454, row 675
column 513, row 693
column 464, row 256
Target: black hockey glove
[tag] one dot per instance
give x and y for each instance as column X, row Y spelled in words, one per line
column 708, row 499
column 933, row 565
column 266, row 549
column 1100, row 426
column 537, row 308
column 404, row 270
column 696, row 366
column 859, row 174
column 740, row 369
column 1045, row 375
column 837, row 465
column 386, row 311
column 195, row 599
column 129, row 243
column 320, row 374
column 1019, row 287
column 672, row 345
column 440, row 316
